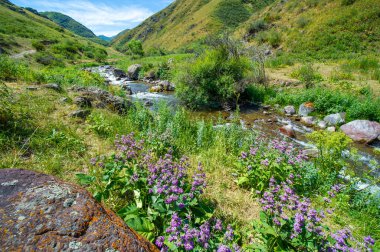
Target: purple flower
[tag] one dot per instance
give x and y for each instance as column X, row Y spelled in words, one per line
column 218, row 225
column 369, row 241
column 160, row 241
column 224, row 248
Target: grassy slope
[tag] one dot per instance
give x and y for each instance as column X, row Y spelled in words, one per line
column 19, row 28
column 321, row 29
column 73, row 26
column 174, row 26
column 69, row 24
column 309, row 28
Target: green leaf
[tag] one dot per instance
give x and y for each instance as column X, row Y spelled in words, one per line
column 242, row 181
column 84, row 179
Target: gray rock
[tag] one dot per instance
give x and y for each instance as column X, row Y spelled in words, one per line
column 119, row 74
column 331, row 129
column 83, row 102
column 133, row 71
column 322, row 124
column 148, row 104
column 290, row 110
column 53, row 86
column 363, row 131
column 308, row 120
column 112, row 102
column 306, row 108
column 80, row 114
column 31, row 88
column 335, row 119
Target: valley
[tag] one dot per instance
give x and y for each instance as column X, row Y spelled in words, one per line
column 211, row 126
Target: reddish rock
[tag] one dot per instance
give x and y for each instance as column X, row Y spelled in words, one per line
column 288, row 130
column 363, row 131
column 41, row 213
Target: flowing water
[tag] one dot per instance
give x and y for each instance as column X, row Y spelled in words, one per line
column 267, row 122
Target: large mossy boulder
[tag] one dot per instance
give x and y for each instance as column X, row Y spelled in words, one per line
column 41, row 213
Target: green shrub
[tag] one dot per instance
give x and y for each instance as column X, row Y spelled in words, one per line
column 348, row 2
column 38, row 45
column 215, row 77
column 308, row 75
column 231, row 12
column 271, row 37
column 5, row 111
column 257, row 26
column 48, row 59
column 9, row 70
column 302, row 22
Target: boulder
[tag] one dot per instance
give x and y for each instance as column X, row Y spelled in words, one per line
column 166, row 85
column 118, row 73
column 155, row 89
column 308, row 120
column 331, row 129
column 82, row 102
column 41, row 213
column 80, row 114
column 322, row 124
column 306, row 108
column 288, row 130
column 112, row 102
column 363, row 131
column 133, row 71
column 53, row 86
column 289, row 110
column 335, row 119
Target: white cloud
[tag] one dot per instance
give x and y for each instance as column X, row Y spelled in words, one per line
column 101, row 18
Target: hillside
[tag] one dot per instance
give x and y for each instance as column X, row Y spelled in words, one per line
column 69, row 24
column 318, row 29
column 22, row 30
column 321, row 29
column 73, row 26
column 184, row 22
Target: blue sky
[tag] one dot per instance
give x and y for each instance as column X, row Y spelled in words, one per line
column 101, row 16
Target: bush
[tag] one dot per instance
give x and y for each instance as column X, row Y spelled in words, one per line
column 5, row 110
column 271, row 37
column 48, row 59
column 257, row 26
column 38, row 45
column 216, row 77
column 348, row 2
column 135, row 48
column 231, row 12
column 308, row 75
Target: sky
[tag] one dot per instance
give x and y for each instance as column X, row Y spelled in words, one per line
column 101, row 16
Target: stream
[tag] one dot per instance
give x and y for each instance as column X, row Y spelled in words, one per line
column 266, row 121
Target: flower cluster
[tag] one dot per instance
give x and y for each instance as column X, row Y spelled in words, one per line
column 281, row 201
column 264, row 160
column 299, row 221
column 183, row 236
column 169, row 179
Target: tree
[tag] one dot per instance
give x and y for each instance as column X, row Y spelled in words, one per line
column 136, row 48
